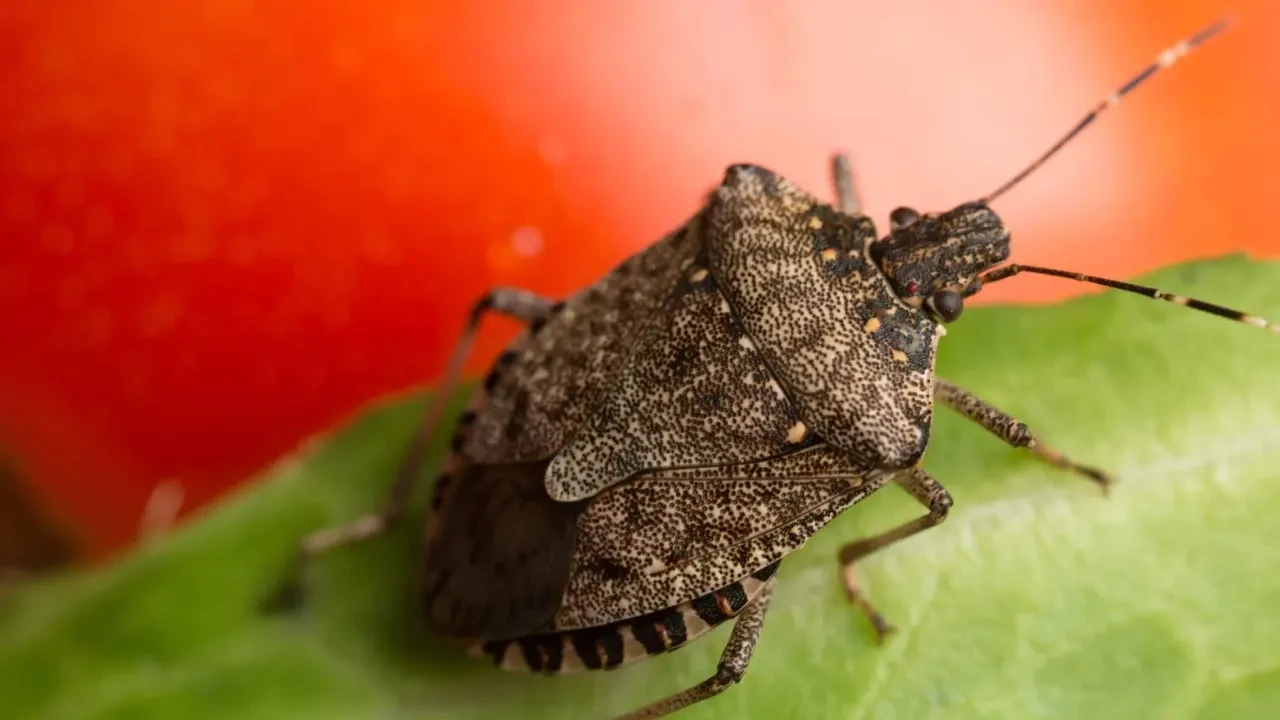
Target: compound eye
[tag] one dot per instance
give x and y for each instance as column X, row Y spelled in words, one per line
column 947, row 304
column 902, row 217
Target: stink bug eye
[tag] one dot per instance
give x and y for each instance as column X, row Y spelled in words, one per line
column 902, row 217
column 947, row 305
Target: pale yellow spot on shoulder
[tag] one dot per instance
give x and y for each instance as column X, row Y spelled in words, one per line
column 815, row 222
column 872, row 325
column 899, row 356
column 699, row 275
column 941, row 330
column 796, row 433
column 829, row 254
column 745, row 342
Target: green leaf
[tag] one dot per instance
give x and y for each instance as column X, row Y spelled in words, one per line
column 1038, row 598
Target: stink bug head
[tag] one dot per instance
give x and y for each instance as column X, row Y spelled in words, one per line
column 933, row 261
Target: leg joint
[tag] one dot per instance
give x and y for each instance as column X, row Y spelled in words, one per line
column 940, row 505
column 1020, row 435
column 726, row 676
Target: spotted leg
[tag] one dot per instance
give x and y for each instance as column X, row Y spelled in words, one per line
column 733, row 662
column 519, row 304
column 1010, row 430
column 930, row 493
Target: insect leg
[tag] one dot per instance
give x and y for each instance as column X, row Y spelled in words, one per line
column 519, row 304
column 846, row 191
column 1010, row 430
column 930, row 493
column 733, row 662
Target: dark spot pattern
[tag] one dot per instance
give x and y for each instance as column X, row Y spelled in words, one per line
column 542, row 653
column 765, row 572
column 709, row 610
column 733, row 597
column 585, row 644
column 611, row 645
column 646, row 633
column 672, row 627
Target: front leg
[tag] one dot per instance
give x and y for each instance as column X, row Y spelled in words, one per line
column 1011, row 430
column 928, row 492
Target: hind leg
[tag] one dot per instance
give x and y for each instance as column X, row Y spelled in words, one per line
column 519, row 304
column 733, row 663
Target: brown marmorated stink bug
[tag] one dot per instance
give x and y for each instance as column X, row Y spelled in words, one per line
column 644, row 455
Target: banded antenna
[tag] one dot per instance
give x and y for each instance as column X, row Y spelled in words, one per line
column 1166, row 58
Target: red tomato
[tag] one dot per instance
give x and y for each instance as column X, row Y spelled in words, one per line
column 229, row 224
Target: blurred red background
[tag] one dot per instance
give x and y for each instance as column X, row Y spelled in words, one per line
column 228, row 224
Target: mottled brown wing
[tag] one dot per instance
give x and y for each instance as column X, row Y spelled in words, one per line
column 543, row 389
column 498, row 552
column 667, row 537
column 856, row 362
column 695, row 391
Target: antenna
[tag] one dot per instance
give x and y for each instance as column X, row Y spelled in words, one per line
column 1166, row 58
column 1009, row 271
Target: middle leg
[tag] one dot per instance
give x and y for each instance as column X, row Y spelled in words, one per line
column 733, row 663
column 928, row 492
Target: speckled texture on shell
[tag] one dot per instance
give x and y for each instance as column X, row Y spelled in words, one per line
column 548, row 382
column 801, row 281
column 693, row 392
column 714, row 401
column 657, row 541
